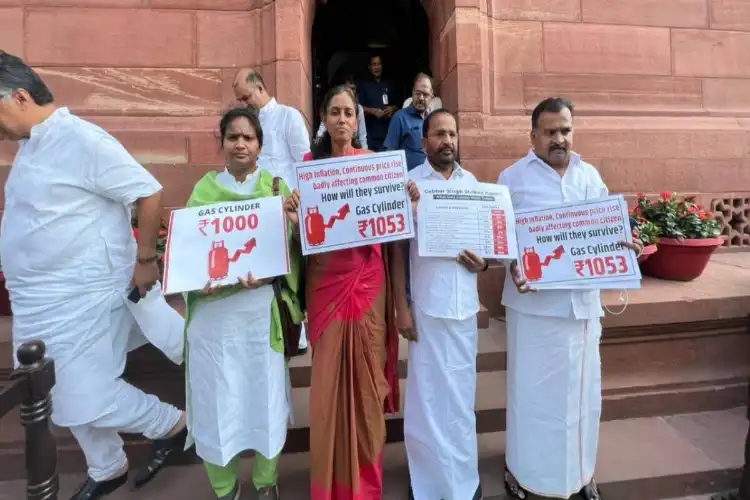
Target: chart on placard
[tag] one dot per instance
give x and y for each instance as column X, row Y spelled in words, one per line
column 457, row 216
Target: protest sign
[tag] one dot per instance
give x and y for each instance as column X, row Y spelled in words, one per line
column 457, row 216
column 352, row 201
column 221, row 242
column 577, row 246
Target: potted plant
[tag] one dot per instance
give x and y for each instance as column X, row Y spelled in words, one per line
column 5, row 309
column 161, row 240
column 687, row 236
column 648, row 233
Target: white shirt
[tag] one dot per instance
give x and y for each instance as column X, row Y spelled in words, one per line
column 442, row 287
column 534, row 184
column 246, row 187
column 285, row 140
column 361, row 128
column 68, row 254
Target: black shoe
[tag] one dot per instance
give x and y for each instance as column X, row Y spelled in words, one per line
column 590, row 492
column 478, row 495
column 91, row 490
column 163, row 450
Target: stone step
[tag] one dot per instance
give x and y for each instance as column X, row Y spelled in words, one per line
column 643, row 377
column 639, row 459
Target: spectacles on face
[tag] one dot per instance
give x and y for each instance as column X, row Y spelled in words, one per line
column 421, row 95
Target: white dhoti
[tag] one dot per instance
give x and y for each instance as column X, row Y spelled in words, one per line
column 439, row 420
column 553, row 402
column 237, row 396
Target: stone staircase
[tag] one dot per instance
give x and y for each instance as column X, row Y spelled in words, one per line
column 675, row 370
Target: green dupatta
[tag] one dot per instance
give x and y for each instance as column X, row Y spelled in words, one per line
column 208, row 191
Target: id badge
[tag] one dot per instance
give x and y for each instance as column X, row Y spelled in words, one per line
column 385, row 99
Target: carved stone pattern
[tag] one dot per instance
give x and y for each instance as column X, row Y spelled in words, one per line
column 734, row 216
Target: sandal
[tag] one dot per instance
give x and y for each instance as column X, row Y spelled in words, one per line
column 513, row 488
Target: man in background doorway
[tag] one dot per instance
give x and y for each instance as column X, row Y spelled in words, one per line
column 405, row 130
column 378, row 99
column 361, row 126
column 435, row 102
column 285, row 136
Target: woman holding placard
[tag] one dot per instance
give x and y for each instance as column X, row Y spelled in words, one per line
column 353, row 297
column 237, row 396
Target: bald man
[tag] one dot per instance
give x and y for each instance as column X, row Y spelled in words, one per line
column 285, row 136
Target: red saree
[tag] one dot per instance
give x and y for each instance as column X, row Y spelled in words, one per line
column 354, row 370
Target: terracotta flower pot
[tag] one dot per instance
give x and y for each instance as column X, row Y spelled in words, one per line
column 5, row 309
column 648, row 250
column 680, row 260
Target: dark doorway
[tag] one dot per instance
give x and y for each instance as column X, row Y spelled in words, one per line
column 346, row 33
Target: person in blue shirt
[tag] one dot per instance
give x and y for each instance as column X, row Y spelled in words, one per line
column 405, row 130
column 378, row 99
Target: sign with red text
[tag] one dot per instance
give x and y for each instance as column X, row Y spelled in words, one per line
column 453, row 216
column 351, row 201
column 577, row 246
column 222, row 242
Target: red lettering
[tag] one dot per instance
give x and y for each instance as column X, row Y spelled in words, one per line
column 231, row 223
column 602, row 266
column 382, row 226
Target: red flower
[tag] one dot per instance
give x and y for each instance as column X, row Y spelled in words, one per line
column 666, row 195
column 640, row 196
column 135, row 233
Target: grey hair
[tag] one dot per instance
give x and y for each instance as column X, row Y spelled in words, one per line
column 255, row 80
column 17, row 75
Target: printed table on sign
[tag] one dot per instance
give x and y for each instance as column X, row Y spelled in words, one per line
column 452, row 217
column 221, row 242
column 577, row 246
column 353, row 201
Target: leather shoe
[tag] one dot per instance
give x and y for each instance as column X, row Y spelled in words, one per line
column 163, row 450
column 92, row 490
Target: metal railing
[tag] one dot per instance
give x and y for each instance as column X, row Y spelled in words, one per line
column 30, row 387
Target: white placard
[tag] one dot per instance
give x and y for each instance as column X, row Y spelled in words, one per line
column 224, row 241
column 352, row 201
column 576, row 246
column 457, row 216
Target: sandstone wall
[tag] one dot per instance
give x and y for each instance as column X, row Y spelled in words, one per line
column 662, row 89
column 157, row 73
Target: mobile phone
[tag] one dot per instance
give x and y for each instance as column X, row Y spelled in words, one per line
column 135, row 295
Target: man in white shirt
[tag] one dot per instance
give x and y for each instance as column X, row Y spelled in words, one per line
column 439, row 420
column 70, row 261
column 285, row 136
column 554, row 368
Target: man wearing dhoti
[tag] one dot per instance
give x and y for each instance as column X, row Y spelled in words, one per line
column 70, row 261
column 439, row 420
column 285, row 137
column 554, row 370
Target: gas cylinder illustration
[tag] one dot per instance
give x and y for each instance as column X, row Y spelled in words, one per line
column 532, row 264
column 315, row 227
column 218, row 261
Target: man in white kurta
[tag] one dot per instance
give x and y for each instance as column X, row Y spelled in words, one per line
column 70, row 261
column 285, row 136
column 439, row 420
column 554, row 369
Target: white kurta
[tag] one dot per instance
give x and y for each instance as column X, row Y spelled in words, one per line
column 68, row 254
column 439, row 420
column 237, row 384
column 285, row 140
column 554, row 368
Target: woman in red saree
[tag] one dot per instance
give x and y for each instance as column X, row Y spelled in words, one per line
column 353, row 297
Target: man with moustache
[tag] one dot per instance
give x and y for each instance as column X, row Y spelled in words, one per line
column 439, row 420
column 554, row 369
column 285, row 137
column 405, row 130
